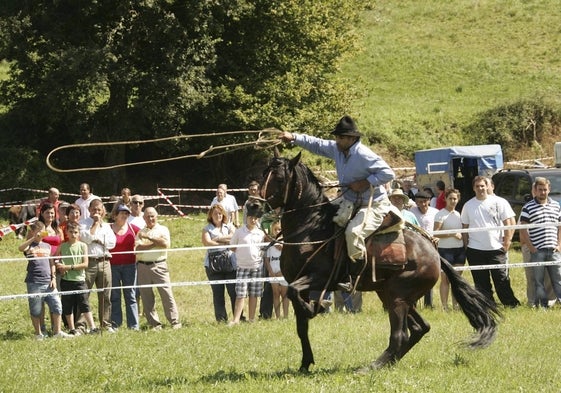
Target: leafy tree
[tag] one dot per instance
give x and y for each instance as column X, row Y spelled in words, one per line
column 131, row 70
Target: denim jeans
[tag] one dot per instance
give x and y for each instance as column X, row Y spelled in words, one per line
column 36, row 303
column 554, row 271
column 124, row 275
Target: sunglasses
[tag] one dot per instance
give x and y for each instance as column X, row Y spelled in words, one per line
column 138, row 203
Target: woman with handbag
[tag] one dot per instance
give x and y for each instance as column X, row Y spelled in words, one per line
column 219, row 263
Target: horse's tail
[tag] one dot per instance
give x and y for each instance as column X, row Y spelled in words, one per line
column 481, row 313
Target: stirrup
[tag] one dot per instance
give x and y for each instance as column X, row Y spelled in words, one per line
column 345, row 286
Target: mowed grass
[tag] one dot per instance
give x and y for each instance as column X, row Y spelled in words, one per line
column 265, row 356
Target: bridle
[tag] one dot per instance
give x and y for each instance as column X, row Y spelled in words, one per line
column 322, row 243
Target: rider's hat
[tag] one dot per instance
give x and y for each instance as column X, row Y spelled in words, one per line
column 346, row 126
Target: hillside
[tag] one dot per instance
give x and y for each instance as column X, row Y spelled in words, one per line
column 428, row 69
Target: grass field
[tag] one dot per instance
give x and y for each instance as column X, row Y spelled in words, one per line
column 206, row 356
column 428, row 67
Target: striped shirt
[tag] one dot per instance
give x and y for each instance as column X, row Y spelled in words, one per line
column 534, row 212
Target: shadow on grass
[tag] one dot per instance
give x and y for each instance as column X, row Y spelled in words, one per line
column 243, row 376
column 11, row 336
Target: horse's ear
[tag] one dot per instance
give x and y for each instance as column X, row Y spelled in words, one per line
column 276, row 152
column 295, row 160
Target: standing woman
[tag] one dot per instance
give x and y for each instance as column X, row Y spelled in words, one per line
column 52, row 234
column 217, row 233
column 123, row 269
column 450, row 246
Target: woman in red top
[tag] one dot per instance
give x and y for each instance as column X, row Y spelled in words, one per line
column 52, row 234
column 123, row 270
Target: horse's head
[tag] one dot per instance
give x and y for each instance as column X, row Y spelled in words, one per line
column 277, row 178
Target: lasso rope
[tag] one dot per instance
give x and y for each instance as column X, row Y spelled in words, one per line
column 267, row 138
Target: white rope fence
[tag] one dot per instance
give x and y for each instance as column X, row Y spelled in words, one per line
column 273, row 279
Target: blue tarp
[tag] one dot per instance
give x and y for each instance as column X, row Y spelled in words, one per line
column 488, row 157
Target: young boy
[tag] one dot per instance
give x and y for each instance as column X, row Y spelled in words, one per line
column 250, row 263
column 41, row 278
column 72, row 266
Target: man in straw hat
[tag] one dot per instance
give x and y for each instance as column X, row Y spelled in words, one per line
column 362, row 175
column 401, row 200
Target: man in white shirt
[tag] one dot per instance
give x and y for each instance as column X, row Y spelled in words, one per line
column 228, row 202
column 137, row 216
column 488, row 247
column 100, row 238
column 425, row 215
column 86, row 197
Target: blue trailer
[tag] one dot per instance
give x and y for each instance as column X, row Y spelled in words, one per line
column 456, row 166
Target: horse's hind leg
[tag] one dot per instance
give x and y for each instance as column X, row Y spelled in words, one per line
column 399, row 336
column 418, row 327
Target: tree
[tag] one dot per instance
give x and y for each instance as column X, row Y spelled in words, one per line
column 128, row 70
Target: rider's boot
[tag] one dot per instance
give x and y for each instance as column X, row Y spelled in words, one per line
column 353, row 270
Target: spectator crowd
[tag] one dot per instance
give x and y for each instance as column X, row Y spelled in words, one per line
column 74, row 247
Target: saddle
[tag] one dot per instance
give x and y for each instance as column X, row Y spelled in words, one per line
column 386, row 245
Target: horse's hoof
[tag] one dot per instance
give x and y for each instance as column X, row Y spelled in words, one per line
column 363, row 370
column 303, row 370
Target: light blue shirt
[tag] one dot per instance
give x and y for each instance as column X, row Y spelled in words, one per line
column 360, row 163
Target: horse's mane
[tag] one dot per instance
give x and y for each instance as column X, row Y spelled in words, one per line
column 313, row 193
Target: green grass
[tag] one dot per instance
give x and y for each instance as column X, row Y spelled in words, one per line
column 206, row 356
column 427, row 68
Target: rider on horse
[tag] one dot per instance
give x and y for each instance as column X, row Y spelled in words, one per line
column 362, row 175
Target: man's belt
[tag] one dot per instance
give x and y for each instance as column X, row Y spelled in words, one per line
column 98, row 259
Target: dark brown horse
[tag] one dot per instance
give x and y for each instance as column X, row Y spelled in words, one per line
column 309, row 265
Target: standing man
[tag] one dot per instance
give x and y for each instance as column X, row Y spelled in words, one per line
column 53, row 199
column 362, row 175
column 400, row 200
column 488, row 247
column 544, row 242
column 100, row 238
column 425, row 215
column 228, row 202
column 153, row 269
column 252, row 192
column 86, row 197
column 137, row 216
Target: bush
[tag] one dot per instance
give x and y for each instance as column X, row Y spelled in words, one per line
column 526, row 123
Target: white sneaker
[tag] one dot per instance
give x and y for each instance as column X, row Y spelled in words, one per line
column 39, row 337
column 62, row 335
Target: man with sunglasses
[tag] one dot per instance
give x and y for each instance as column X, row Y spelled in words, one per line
column 137, row 216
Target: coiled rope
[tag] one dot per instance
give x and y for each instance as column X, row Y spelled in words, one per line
column 267, row 138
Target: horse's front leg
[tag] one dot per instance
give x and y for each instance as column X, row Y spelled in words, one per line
column 302, row 322
column 303, row 311
column 294, row 293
